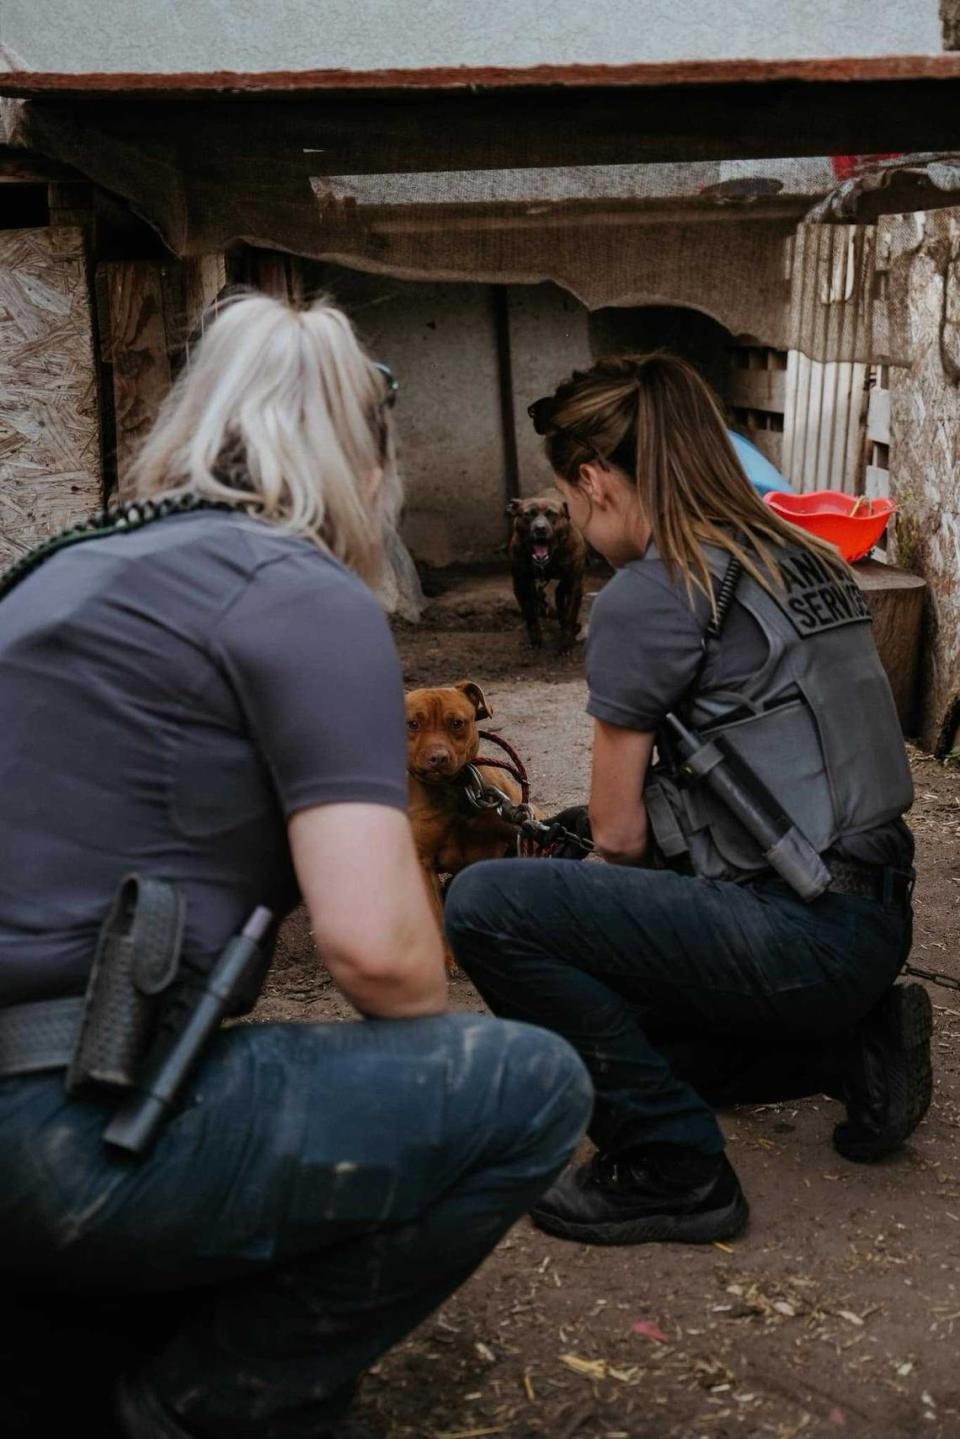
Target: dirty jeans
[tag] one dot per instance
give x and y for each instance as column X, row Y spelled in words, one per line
column 674, row 989
column 325, row 1188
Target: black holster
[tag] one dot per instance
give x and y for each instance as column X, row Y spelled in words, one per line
column 136, row 961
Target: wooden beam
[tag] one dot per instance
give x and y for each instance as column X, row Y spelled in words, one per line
column 34, row 84
column 21, row 167
column 878, row 417
column 271, row 146
column 189, row 289
column 134, row 344
column 759, row 389
column 276, row 274
column 768, row 442
column 895, row 600
column 71, row 204
column 204, row 276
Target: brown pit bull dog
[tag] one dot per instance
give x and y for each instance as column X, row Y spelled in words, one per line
column 545, row 546
column 441, row 740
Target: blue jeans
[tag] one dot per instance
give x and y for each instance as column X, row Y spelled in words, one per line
column 322, row 1190
column 671, row 988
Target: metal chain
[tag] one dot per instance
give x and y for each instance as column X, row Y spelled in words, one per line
column 946, row 981
column 487, row 798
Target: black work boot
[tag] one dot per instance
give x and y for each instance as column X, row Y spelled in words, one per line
column 889, row 1078
column 662, row 1192
column 142, row 1415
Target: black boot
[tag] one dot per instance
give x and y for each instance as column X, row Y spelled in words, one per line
column 142, row 1415
column 889, row 1079
column 663, row 1192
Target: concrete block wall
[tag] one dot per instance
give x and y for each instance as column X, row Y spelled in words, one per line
column 549, row 337
column 440, row 342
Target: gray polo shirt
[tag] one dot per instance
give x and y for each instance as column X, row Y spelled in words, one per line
column 168, row 699
column 644, row 644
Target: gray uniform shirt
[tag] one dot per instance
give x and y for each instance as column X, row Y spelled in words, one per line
column 168, row 699
column 644, row 644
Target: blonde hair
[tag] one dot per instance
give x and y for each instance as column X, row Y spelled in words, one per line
column 280, row 412
column 655, row 418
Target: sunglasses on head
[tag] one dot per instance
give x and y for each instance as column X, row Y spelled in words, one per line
column 541, row 413
column 390, row 398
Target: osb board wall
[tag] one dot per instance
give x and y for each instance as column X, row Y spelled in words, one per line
column 924, row 254
column 49, row 435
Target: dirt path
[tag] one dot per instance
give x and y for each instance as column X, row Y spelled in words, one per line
column 839, row 1311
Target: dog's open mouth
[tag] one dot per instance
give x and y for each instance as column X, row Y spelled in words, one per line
column 540, row 553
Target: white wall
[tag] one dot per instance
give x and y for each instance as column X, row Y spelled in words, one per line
column 142, row 36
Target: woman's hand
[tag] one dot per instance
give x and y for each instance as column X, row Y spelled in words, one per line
column 574, row 821
column 371, row 920
column 618, row 816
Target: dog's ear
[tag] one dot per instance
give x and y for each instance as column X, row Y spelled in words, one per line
column 514, row 507
column 476, row 697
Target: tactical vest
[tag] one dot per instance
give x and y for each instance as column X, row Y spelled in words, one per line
column 817, row 724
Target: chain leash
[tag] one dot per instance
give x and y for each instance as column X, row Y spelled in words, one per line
column 933, row 976
column 487, row 799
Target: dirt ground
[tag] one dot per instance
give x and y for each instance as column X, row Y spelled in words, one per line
column 838, row 1312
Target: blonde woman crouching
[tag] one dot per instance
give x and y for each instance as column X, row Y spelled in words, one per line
column 213, row 699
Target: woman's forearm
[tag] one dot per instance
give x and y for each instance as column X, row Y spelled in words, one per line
column 618, row 816
column 621, row 838
column 402, row 977
column 370, row 915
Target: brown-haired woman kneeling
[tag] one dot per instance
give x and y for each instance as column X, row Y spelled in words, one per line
column 686, row 969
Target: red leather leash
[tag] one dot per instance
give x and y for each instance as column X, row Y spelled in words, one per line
column 514, row 768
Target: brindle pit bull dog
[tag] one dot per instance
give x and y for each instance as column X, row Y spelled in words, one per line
column 545, row 546
column 441, row 740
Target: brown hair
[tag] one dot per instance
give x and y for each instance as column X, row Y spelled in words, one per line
column 656, row 419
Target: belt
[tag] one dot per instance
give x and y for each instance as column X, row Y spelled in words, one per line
column 891, row 887
column 39, row 1036
column 43, row 1035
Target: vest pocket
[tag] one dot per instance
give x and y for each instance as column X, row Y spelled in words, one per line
column 782, row 748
